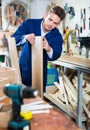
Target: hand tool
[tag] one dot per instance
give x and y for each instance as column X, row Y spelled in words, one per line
column 89, row 23
column 77, row 28
column 84, row 18
column 17, row 92
column 81, row 20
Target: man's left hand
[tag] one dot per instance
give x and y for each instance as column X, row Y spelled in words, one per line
column 46, row 46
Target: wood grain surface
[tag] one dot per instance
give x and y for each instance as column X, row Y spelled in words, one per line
column 55, row 120
column 37, row 65
column 75, row 60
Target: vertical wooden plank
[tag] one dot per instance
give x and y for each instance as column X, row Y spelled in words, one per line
column 37, row 65
column 14, row 57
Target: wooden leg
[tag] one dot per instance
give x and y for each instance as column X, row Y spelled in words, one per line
column 88, row 124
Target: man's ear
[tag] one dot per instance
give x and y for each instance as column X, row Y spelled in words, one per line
column 45, row 15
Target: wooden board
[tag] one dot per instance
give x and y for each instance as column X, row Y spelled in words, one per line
column 37, row 65
column 75, row 60
column 14, row 57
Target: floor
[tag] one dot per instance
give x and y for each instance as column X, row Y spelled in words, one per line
column 55, row 120
column 83, row 124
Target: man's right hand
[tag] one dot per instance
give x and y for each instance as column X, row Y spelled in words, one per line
column 30, row 38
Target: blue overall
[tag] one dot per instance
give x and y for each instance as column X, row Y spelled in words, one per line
column 54, row 39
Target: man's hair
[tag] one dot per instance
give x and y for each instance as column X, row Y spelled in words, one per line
column 58, row 11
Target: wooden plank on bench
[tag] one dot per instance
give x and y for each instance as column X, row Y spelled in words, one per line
column 37, row 65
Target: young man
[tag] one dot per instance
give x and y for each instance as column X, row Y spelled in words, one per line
column 52, row 42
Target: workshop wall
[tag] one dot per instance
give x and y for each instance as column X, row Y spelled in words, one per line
column 75, row 23
column 39, row 7
column 10, row 9
column 77, row 5
column 32, row 9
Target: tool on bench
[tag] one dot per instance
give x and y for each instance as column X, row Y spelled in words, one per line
column 17, row 92
column 77, row 30
column 81, row 18
column 84, row 18
column 89, row 23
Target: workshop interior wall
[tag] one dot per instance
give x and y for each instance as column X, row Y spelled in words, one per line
column 76, row 20
column 34, row 9
column 39, row 8
column 9, row 14
column 77, row 4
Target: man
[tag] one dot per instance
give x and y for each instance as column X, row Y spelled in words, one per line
column 52, row 42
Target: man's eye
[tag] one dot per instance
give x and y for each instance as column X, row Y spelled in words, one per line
column 55, row 23
column 50, row 19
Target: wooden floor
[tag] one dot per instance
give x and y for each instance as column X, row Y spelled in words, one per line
column 55, row 120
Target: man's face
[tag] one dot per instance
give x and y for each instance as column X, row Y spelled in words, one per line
column 51, row 21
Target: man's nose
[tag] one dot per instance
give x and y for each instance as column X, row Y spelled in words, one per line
column 51, row 23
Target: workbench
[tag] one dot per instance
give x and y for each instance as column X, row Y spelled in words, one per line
column 50, row 121
column 81, row 65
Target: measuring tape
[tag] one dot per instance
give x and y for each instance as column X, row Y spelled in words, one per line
column 26, row 115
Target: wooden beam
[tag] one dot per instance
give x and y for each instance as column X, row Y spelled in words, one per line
column 37, row 65
column 14, row 57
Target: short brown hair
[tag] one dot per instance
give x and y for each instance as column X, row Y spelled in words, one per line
column 58, row 11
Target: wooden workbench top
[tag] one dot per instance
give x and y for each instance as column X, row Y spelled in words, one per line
column 76, row 60
column 51, row 121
